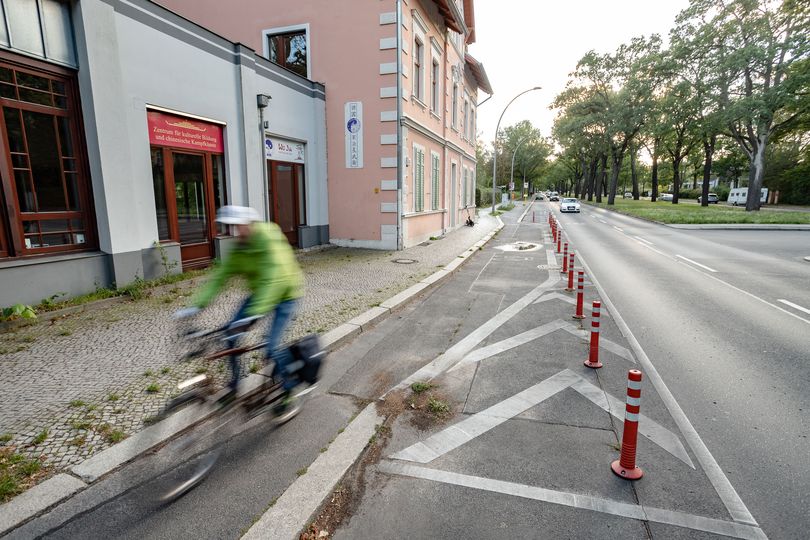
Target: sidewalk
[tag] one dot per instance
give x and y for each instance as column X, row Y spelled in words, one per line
column 75, row 385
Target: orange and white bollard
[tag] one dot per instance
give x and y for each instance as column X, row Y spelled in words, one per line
column 580, row 295
column 593, row 357
column 570, row 287
column 564, row 269
column 625, row 466
column 559, row 241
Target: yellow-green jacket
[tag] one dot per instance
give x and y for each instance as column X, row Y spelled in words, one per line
column 267, row 262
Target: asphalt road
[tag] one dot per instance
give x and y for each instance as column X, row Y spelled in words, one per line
column 707, row 307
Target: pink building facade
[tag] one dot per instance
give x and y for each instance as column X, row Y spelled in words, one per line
column 400, row 104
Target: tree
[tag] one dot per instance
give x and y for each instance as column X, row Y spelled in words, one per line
column 765, row 51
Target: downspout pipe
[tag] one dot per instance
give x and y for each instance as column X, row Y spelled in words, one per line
column 400, row 142
column 262, row 101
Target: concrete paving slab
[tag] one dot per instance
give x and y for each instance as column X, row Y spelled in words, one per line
column 339, row 335
column 369, row 318
column 405, row 296
column 434, row 277
column 37, row 499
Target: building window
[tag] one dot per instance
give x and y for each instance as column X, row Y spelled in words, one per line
column 464, row 186
column 434, row 87
column 418, row 70
column 40, row 28
column 454, row 106
column 466, row 126
column 418, row 179
column 434, row 177
column 289, row 50
column 44, row 180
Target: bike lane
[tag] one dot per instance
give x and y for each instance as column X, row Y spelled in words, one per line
column 526, row 446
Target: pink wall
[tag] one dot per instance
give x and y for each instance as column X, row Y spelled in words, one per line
column 345, row 55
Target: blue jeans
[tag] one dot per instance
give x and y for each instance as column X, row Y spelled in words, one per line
column 280, row 355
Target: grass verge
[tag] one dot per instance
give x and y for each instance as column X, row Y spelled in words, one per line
column 694, row 214
column 17, row 473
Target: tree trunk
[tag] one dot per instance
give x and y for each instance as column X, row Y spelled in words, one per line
column 603, row 179
column 590, row 178
column 597, row 181
column 708, row 152
column 633, row 174
column 676, row 179
column 654, row 179
column 616, row 166
column 756, row 175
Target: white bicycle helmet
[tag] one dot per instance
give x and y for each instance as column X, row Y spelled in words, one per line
column 237, row 215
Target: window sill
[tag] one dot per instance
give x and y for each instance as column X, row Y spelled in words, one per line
column 45, row 258
column 434, row 115
column 419, row 102
column 424, row 213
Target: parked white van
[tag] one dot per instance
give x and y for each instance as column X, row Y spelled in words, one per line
column 740, row 195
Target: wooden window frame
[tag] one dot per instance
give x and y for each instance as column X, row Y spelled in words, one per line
column 12, row 235
column 278, row 38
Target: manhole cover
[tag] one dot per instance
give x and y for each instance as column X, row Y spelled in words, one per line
column 405, row 261
column 519, row 246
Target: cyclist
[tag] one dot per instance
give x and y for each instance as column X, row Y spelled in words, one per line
column 264, row 258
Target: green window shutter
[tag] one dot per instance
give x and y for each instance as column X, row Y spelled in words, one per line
column 419, row 181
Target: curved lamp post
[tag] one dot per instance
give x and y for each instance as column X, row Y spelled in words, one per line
column 495, row 145
column 512, row 173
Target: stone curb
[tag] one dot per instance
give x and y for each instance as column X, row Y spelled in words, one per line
column 55, row 490
column 307, row 493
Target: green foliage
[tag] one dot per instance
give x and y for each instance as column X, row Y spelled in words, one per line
column 478, row 197
column 419, row 386
column 40, row 438
column 438, row 406
column 153, row 388
column 17, row 311
column 17, row 473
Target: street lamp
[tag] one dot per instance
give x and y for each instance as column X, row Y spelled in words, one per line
column 495, row 144
column 512, row 174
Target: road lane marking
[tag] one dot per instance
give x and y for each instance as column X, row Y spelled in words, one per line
column 731, row 499
column 643, row 240
column 647, row 427
column 618, row 228
column 602, row 220
column 794, row 306
column 481, row 272
column 696, row 263
column 578, row 500
column 551, row 258
column 473, row 426
column 457, row 352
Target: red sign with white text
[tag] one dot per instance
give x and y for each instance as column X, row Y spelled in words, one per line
column 169, row 130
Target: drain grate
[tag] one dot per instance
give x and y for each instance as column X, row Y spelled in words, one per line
column 404, row 261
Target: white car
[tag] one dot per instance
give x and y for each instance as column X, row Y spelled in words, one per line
column 666, row 197
column 569, row 205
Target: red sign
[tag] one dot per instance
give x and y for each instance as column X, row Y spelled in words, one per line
column 180, row 132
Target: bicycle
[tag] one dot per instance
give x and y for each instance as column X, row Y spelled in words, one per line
column 215, row 417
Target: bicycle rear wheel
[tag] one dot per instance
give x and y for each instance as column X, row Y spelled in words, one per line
column 194, row 453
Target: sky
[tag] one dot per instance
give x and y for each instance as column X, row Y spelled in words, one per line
column 527, row 43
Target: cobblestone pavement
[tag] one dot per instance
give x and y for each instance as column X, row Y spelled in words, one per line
column 72, row 386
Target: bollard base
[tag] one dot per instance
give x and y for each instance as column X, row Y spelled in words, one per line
column 628, row 474
column 569, row 289
column 594, row 365
column 578, row 317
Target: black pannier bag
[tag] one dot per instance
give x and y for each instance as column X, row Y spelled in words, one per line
column 308, row 350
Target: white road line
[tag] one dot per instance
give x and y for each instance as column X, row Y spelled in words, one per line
column 604, row 343
column 457, row 352
column 551, row 258
column 479, row 273
column 577, row 500
column 618, row 228
column 602, row 220
column 643, row 240
column 720, row 482
column 512, row 342
column 462, row 432
column 696, row 263
column 646, row 426
column 794, row 306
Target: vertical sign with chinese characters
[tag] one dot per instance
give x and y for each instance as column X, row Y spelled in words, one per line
column 354, row 134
